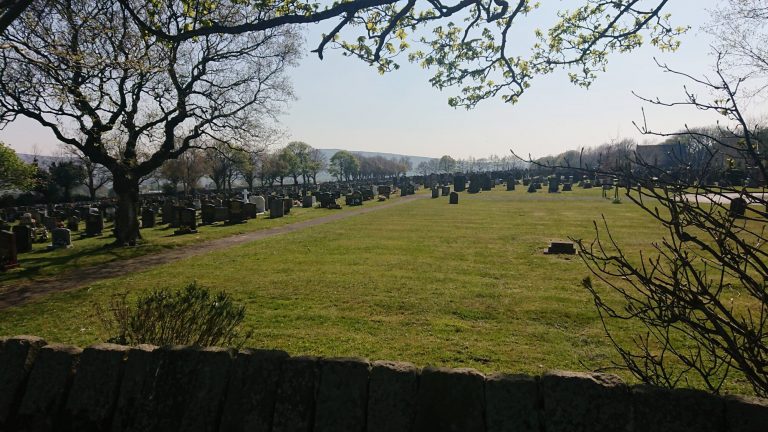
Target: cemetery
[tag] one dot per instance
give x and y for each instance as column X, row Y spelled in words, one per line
column 454, row 285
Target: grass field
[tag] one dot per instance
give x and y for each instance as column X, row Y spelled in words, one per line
column 91, row 251
column 426, row 282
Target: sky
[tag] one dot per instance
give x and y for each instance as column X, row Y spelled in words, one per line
column 343, row 103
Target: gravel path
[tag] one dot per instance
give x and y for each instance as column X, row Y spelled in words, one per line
column 26, row 291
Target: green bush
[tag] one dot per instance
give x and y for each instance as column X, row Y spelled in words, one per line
column 190, row 316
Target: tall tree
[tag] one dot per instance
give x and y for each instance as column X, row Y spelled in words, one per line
column 130, row 101
column 14, row 172
column 67, row 175
column 343, row 165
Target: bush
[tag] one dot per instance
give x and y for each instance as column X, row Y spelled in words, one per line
column 190, row 316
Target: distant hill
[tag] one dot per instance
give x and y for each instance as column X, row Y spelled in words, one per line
column 415, row 160
column 43, row 161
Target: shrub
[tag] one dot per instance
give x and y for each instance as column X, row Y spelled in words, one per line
column 189, row 316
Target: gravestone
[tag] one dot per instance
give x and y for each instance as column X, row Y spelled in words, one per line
column 167, row 214
column 73, row 223
column 208, row 214
column 459, row 183
column 435, row 193
column 276, row 208
column 8, row 253
column 61, row 238
column 486, row 183
column 287, row 205
column 23, row 238
column 510, row 183
column 250, row 210
column 308, row 201
column 738, row 207
column 148, row 218
column 220, row 214
column 526, row 181
column 94, row 223
column 554, row 185
column 568, row 184
column 453, row 198
column 50, row 223
column 367, row 194
column 474, row 185
column 187, row 221
column 445, row 191
column 261, row 204
column 561, row 248
column 236, row 212
column 176, row 217
column 531, row 187
column 384, row 190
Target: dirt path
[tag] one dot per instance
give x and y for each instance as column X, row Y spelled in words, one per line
column 22, row 293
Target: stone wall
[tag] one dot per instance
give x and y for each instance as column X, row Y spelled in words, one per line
column 111, row 387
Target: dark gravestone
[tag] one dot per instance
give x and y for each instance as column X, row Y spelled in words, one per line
column 355, row 198
column 486, row 183
column 384, row 190
column 208, row 214
column 308, row 201
column 561, row 248
column 554, row 185
column 187, row 221
column 73, row 223
column 276, row 208
column 738, row 208
column 250, row 210
column 8, row 258
column 459, row 183
column 23, row 238
column 474, row 185
column 453, row 198
column 236, row 212
column 148, row 218
column 220, row 214
column 94, row 223
column 510, row 183
column 445, row 191
column 435, row 193
column 167, row 214
column 176, row 217
column 526, row 181
column 287, row 205
column 367, row 194
column 567, row 187
column 61, row 238
column 531, row 187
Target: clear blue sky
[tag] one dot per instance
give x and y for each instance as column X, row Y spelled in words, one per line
column 343, row 103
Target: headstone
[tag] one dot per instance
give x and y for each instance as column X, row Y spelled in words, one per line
column 738, row 207
column 384, row 190
column 558, row 248
column 445, row 191
column 176, row 217
column 554, row 185
column 250, row 210
column 208, row 214
column 510, row 183
column 61, row 238
column 261, row 205
column 287, row 205
column 453, row 198
column 531, row 187
column 148, row 218
column 73, row 223
column 8, row 253
column 435, row 193
column 485, row 182
column 459, row 183
column 276, row 208
column 23, row 238
column 167, row 214
column 94, row 223
column 221, row 214
column 236, row 212
column 50, row 223
column 187, row 221
column 356, row 198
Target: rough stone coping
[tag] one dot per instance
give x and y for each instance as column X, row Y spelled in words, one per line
column 89, row 388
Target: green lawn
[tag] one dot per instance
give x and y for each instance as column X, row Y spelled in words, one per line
column 426, row 282
column 98, row 250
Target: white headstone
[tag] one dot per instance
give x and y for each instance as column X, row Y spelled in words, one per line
column 260, row 204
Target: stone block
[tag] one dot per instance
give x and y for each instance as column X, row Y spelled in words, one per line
column 95, row 388
column 47, row 387
column 342, row 395
column 16, row 359
column 392, row 394
column 134, row 401
column 511, row 403
column 658, row 409
column 584, row 402
column 295, row 404
column 450, row 400
column 252, row 391
column 746, row 414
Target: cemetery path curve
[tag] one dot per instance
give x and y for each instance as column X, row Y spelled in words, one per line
column 21, row 293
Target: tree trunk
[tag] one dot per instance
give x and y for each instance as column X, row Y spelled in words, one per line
column 127, row 215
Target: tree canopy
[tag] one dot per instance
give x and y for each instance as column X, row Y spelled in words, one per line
column 14, row 172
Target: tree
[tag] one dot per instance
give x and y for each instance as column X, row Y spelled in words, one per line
column 96, row 176
column 221, row 165
column 317, row 163
column 701, row 296
column 67, row 175
column 446, row 164
column 14, row 172
column 129, row 101
column 477, row 56
column 344, row 165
